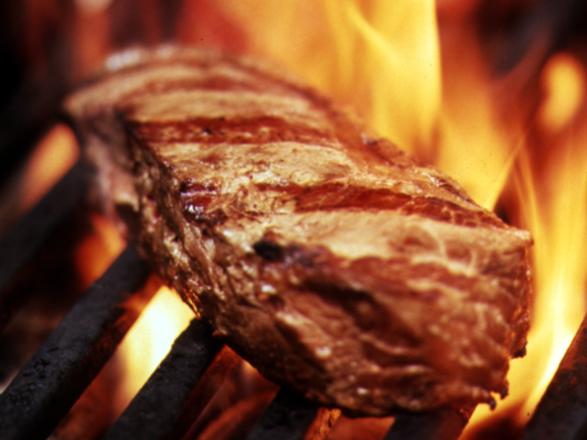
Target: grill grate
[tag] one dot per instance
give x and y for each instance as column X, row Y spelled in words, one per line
column 288, row 417
column 46, row 388
column 173, row 384
column 443, row 424
column 21, row 243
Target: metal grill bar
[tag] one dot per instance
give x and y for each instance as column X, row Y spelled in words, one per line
column 21, row 243
column 288, row 417
column 46, row 388
column 444, row 424
column 162, row 408
column 562, row 412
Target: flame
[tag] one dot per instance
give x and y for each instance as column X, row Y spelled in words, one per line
column 384, row 59
column 366, row 54
column 559, row 227
column 553, row 202
column 564, row 85
column 475, row 147
column 50, row 160
column 97, row 251
column 559, row 222
column 149, row 340
column 152, row 335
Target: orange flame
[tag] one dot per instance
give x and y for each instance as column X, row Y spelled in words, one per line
column 151, row 336
column 559, row 222
column 475, row 147
column 150, row 339
column 50, row 160
column 97, row 251
column 553, row 200
column 366, row 54
column 383, row 58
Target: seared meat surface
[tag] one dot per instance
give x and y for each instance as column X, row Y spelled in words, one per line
column 323, row 255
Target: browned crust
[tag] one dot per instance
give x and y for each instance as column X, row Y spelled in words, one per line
column 324, row 255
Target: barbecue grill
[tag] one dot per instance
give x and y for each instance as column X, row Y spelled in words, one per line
column 49, row 384
column 45, row 389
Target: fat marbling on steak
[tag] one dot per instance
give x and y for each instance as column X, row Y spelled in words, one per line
column 323, row 255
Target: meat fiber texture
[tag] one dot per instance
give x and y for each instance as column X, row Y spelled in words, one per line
column 324, row 255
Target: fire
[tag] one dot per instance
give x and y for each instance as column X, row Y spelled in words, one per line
column 366, row 54
column 152, row 335
column 553, row 206
column 149, row 340
column 564, row 84
column 50, row 160
column 97, row 251
column 474, row 146
column 428, row 85
column 556, row 212
column 423, row 80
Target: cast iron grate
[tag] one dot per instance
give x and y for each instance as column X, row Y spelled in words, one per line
column 46, row 388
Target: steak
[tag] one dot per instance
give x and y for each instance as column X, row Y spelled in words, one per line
column 324, row 255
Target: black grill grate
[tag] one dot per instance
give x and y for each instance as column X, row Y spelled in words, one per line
column 20, row 244
column 46, row 388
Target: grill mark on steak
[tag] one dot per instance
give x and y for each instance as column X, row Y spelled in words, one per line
column 270, row 79
column 209, row 83
column 343, row 196
column 263, row 129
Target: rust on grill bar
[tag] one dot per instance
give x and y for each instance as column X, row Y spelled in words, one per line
column 45, row 389
column 21, row 243
column 162, row 409
column 288, row 417
column 446, row 424
column 562, row 412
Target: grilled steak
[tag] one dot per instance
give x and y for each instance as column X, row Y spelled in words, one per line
column 323, row 255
